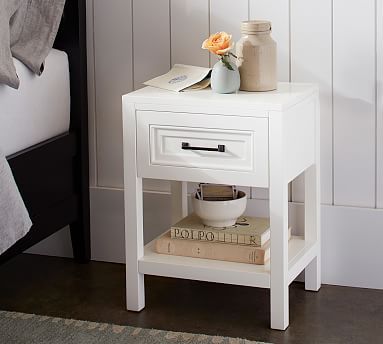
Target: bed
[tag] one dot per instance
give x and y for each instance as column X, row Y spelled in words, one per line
column 45, row 138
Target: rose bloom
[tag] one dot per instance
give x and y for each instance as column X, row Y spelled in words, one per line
column 220, row 43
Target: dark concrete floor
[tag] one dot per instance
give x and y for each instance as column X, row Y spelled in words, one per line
column 95, row 292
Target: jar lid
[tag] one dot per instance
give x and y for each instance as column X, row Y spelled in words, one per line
column 255, row 26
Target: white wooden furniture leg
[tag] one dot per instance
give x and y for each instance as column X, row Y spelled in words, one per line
column 179, row 200
column 312, row 275
column 279, row 285
column 135, row 291
column 134, row 238
column 312, row 225
column 312, row 211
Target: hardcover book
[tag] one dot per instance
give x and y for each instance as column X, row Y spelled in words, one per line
column 208, row 250
column 248, row 230
column 214, row 250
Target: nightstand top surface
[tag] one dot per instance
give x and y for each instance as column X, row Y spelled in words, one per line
column 284, row 97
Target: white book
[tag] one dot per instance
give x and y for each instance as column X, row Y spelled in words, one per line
column 182, row 78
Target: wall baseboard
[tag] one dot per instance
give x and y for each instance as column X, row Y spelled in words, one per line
column 351, row 237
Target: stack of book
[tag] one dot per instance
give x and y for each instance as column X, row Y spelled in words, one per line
column 245, row 242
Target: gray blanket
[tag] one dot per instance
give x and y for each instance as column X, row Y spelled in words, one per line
column 14, row 218
column 27, row 31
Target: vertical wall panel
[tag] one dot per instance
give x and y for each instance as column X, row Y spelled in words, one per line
column 278, row 12
column 113, row 77
column 379, row 131
column 91, row 94
column 354, row 102
column 151, row 39
column 151, row 51
column 311, row 61
column 189, row 27
column 227, row 15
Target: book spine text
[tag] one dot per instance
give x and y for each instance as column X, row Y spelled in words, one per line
column 215, row 236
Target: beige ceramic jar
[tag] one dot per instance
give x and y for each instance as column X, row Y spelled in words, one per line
column 257, row 57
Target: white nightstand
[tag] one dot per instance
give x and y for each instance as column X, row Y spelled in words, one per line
column 268, row 139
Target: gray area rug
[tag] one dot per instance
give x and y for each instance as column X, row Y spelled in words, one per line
column 20, row 328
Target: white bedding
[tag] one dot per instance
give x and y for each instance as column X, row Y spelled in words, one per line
column 39, row 109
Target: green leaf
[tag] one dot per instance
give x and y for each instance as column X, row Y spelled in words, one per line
column 226, row 63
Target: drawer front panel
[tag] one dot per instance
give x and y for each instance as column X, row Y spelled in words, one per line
column 172, row 146
column 193, row 143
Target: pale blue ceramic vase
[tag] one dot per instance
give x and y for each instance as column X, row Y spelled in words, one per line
column 224, row 80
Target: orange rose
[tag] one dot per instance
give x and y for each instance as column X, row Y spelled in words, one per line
column 220, row 43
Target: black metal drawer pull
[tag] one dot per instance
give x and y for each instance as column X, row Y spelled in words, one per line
column 186, row 146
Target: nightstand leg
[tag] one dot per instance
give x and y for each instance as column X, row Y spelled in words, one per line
column 135, row 290
column 179, row 192
column 133, row 202
column 312, row 225
column 279, row 284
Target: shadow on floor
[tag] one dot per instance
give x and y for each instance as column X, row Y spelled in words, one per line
column 96, row 292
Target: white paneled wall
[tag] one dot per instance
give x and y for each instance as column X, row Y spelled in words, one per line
column 311, row 61
column 113, row 77
column 337, row 44
column 138, row 39
column 189, row 27
column 379, row 94
column 278, row 12
column 354, row 103
column 151, row 40
column 221, row 21
column 91, row 93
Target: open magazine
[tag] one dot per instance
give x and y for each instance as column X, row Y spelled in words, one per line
column 182, row 78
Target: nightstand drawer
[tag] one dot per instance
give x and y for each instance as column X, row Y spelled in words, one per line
column 203, row 148
column 201, row 142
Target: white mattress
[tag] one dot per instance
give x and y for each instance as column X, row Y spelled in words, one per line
column 39, row 109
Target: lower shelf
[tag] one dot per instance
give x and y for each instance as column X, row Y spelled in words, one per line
column 152, row 263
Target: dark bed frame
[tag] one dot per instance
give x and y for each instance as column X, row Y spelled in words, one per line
column 53, row 176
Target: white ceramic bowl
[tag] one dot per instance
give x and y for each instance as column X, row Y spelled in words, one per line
column 220, row 213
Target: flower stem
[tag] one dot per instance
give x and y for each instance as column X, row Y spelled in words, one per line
column 226, row 62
